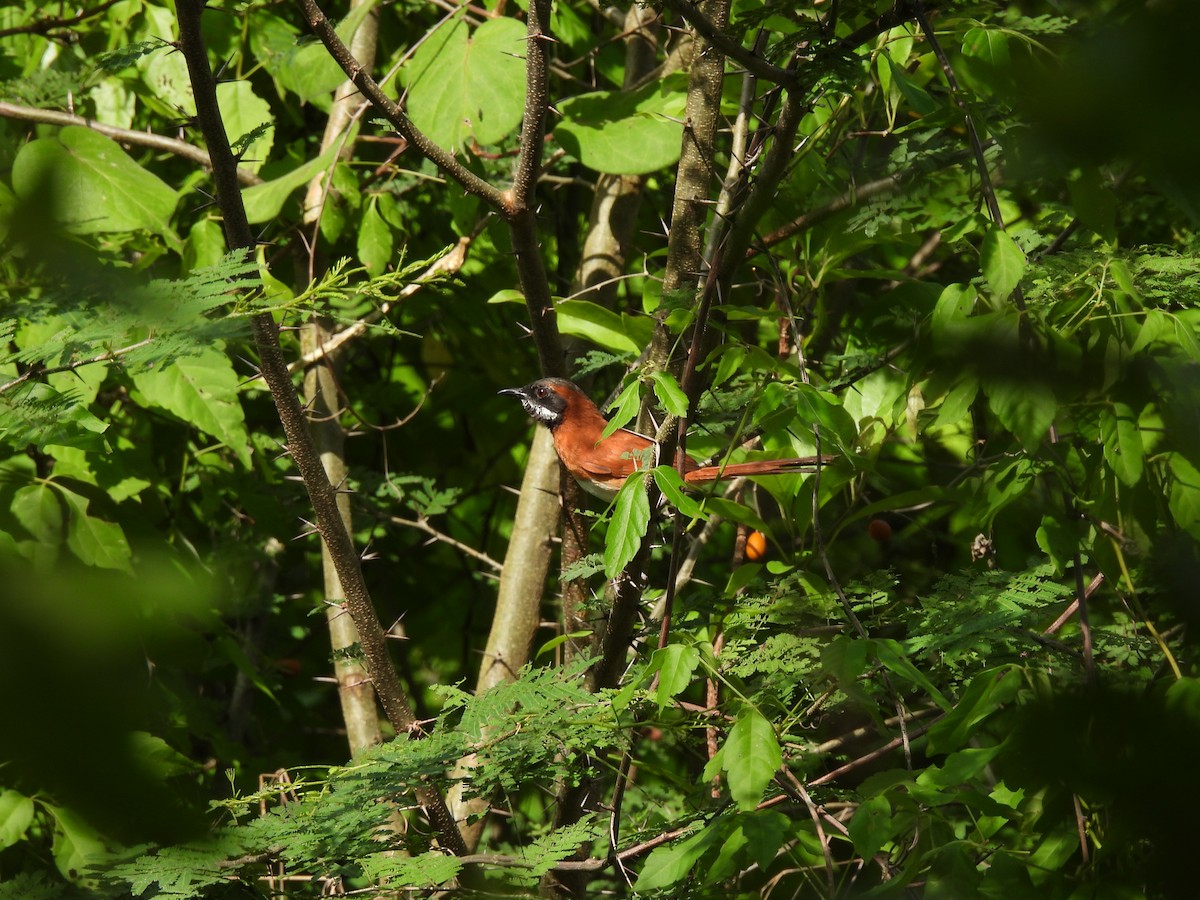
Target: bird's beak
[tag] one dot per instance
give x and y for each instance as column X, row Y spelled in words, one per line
column 515, row 392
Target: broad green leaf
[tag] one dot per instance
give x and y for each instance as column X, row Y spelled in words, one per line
column 955, row 303
column 95, row 541
column 1156, row 326
column 158, row 757
column 957, row 404
column 729, row 361
column 675, row 664
column 76, row 844
column 988, row 45
column 671, row 864
column 871, row 827
column 463, row 86
column 556, row 642
column 37, row 508
column 670, row 482
column 1003, row 263
column 202, row 391
column 1023, row 406
column 374, row 240
column 587, row 320
column 918, row 98
column 243, row 111
column 736, row 512
column 669, row 393
column 91, row 186
column 752, row 757
column 264, row 201
column 303, row 66
column 1183, row 495
column 891, row 655
column 1122, row 441
column 960, row 767
column 625, row 408
column 986, row 693
column 630, row 517
column 1186, row 335
column 16, row 815
column 625, row 132
column 845, row 658
column 1058, row 539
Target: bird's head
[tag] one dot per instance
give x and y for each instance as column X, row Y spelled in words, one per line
column 547, row 399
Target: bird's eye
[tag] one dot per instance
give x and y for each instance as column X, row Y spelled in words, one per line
column 541, row 393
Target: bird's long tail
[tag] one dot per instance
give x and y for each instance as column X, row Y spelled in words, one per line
column 706, row 474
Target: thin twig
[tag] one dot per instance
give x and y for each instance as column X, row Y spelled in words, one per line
column 44, row 26
column 422, row 524
column 179, row 148
column 747, row 59
column 446, row 265
column 42, row 371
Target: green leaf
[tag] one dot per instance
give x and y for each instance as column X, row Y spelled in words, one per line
column 201, row 390
column 893, row 658
column 1024, row 407
column 16, row 815
column 374, row 240
column 669, row 393
column 986, row 693
column 988, row 45
column 625, row 407
column 752, row 757
column 463, row 86
column 671, row 864
column 1183, row 494
column 76, row 844
column 626, row 132
column 587, row 320
column 558, row 641
column 871, row 827
column 91, row 186
column 1003, row 263
column 630, row 517
column 36, row 507
column 675, row 664
column 1156, row 326
column 264, row 201
column 1058, row 539
column 95, row 541
column 244, row 113
column 917, row 97
column 670, row 482
column 1122, row 441
column 954, row 304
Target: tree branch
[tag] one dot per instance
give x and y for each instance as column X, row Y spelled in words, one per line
column 44, row 26
column 300, row 444
column 712, row 33
column 354, row 70
column 179, row 148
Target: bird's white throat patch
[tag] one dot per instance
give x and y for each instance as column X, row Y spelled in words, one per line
column 539, row 412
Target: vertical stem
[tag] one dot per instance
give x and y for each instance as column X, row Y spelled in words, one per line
column 283, row 392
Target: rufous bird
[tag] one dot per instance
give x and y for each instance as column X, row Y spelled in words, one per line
column 602, row 465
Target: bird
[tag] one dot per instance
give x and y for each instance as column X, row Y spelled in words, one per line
column 601, row 465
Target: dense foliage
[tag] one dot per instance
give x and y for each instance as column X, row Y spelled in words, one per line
column 950, row 245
